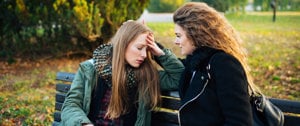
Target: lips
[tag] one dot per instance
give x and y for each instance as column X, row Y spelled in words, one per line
column 140, row 61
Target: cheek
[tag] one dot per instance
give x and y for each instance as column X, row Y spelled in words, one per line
column 183, row 42
column 186, row 42
column 128, row 54
column 131, row 52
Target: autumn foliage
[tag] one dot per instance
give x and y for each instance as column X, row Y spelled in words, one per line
column 60, row 27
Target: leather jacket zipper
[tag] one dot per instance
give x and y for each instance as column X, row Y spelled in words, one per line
column 201, row 92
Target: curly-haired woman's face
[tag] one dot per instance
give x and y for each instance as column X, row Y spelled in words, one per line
column 184, row 43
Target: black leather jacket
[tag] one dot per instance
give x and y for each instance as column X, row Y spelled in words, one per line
column 221, row 100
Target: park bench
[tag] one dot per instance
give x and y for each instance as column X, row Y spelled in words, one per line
column 167, row 115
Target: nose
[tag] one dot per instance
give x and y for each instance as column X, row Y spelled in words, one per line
column 144, row 53
column 176, row 42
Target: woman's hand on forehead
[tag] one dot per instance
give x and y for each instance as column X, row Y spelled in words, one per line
column 152, row 46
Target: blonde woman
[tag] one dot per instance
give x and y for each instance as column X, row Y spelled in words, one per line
column 214, row 86
column 121, row 84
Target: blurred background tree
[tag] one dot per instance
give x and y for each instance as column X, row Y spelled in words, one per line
column 164, row 6
column 258, row 5
column 226, row 5
column 35, row 28
column 282, row 5
column 59, row 27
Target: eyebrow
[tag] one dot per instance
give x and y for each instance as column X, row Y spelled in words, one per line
column 141, row 44
column 177, row 34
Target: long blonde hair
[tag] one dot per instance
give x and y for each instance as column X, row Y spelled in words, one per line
column 146, row 75
column 207, row 27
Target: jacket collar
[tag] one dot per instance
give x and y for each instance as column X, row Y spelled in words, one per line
column 195, row 62
column 199, row 57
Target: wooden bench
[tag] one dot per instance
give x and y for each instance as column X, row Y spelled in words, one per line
column 167, row 115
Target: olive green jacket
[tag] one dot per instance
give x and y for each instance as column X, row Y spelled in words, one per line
column 77, row 103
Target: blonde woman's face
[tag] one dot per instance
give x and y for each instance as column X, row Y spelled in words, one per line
column 184, row 43
column 136, row 52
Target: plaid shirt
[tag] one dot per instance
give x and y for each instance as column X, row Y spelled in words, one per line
column 101, row 121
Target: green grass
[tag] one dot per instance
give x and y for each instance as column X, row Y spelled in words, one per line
column 27, row 95
column 27, row 91
column 273, row 49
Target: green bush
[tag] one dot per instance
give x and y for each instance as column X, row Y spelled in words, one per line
column 60, row 27
column 163, row 6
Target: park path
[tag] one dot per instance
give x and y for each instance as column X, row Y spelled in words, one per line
column 156, row 17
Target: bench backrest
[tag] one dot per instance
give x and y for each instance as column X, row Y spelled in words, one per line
column 167, row 114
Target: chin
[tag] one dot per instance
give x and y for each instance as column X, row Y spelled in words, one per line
column 135, row 65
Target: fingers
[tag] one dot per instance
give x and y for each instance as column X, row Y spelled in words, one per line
column 153, row 47
column 150, row 37
column 150, row 41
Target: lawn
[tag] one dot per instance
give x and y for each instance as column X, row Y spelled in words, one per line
column 28, row 88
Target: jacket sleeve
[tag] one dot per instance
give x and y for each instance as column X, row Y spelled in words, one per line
column 172, row 70
column 231, row 89
column 72, row 110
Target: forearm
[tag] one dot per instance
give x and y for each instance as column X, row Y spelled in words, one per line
column 172, row 69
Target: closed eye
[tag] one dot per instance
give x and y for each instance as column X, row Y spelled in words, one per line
column 141, row 47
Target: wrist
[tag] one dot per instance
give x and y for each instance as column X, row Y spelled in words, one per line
column 161, row 53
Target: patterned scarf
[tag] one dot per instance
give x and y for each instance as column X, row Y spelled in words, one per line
column 102, row 57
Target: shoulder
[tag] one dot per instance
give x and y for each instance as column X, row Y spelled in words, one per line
column 87, row 66
column 222, row 57
column 87, row 63
column 224, row 62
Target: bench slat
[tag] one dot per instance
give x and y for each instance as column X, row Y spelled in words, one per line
column 172, row 94
column 58, row 106
column 162, row 123
column 55, row 123
column 291, row 120
column 64, row 88
column 164, row 117
column 64, row 76
column 287, row 105
column 170, row 103
column 57, row 116
column 60, row 97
